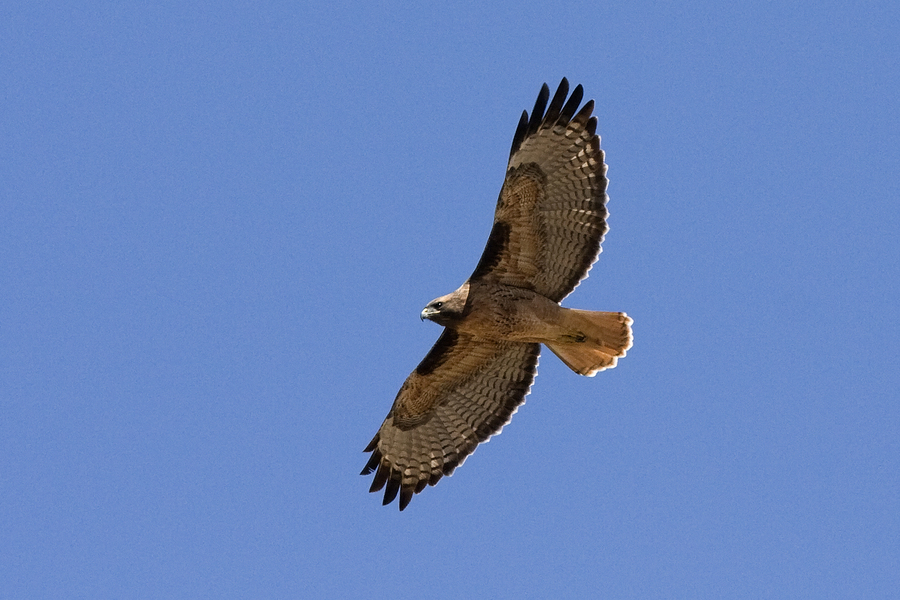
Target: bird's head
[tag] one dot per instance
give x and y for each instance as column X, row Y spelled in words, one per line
column 448, row 309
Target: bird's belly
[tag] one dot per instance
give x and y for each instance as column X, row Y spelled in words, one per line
column 513, row 314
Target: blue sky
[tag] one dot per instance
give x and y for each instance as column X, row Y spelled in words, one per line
column 220, row 222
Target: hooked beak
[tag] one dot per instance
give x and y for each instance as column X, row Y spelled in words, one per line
column 428, row 313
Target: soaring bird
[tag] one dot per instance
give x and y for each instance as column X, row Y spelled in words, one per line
column 548, row 225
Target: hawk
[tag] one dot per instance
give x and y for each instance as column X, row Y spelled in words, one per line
column 548, row 225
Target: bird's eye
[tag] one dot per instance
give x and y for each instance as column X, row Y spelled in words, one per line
column 438, row 305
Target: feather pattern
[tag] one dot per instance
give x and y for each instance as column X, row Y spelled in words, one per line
column 467, row 398
column 549, row 222
column 553, row 200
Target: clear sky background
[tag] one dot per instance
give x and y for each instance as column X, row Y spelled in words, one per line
column 219, row 223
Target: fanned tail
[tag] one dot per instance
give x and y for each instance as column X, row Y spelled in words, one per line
column 600, row 339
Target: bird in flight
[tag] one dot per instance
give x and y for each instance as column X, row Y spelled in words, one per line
column 548, row 225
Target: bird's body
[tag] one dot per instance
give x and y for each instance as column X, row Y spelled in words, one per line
column 494, row 311
column 548, row 225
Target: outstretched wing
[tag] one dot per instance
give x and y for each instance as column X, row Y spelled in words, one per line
column 463, row 392
column 551, row 214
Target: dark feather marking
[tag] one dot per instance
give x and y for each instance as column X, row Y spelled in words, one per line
column 585, row 113
column 406, row 494
column 439, row 353
column 374, row 460
column 493, row 250
column 555, row 113
column 381, row 476
column 374, row 443
column 390, row 492
column 557, row 103
column 521, row 130
column 537, row 113
column 574, row 100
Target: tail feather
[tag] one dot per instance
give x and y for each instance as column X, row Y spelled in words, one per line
column 597, row 341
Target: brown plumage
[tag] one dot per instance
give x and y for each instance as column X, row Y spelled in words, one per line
column 548, row 226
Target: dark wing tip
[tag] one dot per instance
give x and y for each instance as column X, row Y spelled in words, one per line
column 559, row 111
column 390, row 480
column 374, row 443
column 406, row 494
column 381, row 476
column 373, row 463
column 572, row 105
column 584, row 115
column 390, row 492
column 537, row 113
column 521, row 130
column 557, row 103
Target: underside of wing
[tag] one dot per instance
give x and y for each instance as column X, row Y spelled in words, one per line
column 551, row 215
column 463, row 392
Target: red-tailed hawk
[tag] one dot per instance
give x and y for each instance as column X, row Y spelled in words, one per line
column 548, row 225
